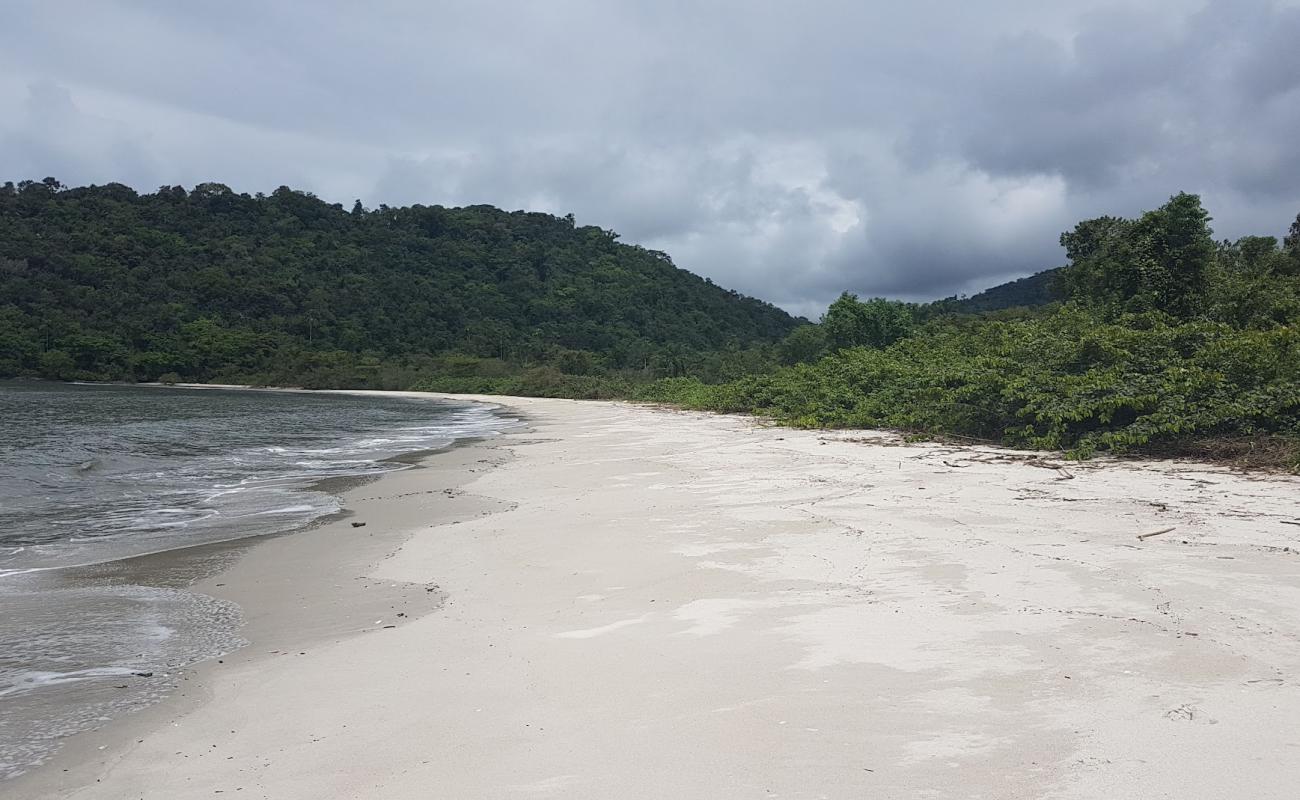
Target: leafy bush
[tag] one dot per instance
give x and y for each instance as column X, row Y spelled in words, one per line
column 1064, row 381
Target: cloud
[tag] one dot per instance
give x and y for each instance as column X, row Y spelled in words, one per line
column 790, row 151
column 47, row 134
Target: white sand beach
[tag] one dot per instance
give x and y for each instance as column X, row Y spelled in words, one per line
column 643, row 603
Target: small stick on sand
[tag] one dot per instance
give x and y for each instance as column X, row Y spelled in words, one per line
column 1155, row 533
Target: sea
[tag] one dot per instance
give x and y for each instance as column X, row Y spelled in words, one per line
column 94, row 475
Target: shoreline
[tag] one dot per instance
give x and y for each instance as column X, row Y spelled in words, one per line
column 1166, row 455
column 665, row 603
column 333, row 597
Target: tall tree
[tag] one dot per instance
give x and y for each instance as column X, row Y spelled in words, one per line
column 1160, row 261
column 850, row 322
column 1291, row 246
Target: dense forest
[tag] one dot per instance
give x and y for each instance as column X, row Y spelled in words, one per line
column 103, row 283
column 1154, row 338
column 1167, row 342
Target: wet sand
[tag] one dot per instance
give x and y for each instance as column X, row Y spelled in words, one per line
column 640, row 603
column 293, row 592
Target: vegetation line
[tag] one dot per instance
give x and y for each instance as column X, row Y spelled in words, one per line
column 1154, row 339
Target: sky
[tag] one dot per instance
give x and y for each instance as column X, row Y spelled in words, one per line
column 788, row 150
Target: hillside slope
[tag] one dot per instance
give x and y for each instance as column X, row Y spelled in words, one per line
column 1035, row 290
column 102, row 282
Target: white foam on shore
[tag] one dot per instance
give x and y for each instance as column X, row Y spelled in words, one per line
column 154, row 511
column 76, row 656
column 36, row 679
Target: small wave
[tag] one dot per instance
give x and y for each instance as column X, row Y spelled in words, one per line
column 287, row 510
column 158, row 480
column 32, row 680
column 6, row 573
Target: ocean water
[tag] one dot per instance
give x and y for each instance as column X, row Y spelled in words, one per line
column 94, row 474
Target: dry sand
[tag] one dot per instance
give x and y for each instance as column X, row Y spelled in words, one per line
column 676, row 605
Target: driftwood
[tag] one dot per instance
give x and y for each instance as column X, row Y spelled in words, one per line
column 1155, row 533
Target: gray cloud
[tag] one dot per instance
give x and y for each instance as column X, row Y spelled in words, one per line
column 790, row 151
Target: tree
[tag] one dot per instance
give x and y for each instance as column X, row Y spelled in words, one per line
column 1161, row 261
column 1257, row 252
column 1292, row 241
column 210, row 189
column 1291, row 247
column 57, row 365
column 1092, row 236
column 877, row 322
column 804, row 344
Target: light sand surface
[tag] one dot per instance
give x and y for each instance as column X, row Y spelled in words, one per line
column 678, row 605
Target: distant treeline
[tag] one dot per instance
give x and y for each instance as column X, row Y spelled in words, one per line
column 1155, row 337
column 1168, row 342
column 207, row 284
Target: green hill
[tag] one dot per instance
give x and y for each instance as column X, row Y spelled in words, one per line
column 1035, row 290
column 101, row 282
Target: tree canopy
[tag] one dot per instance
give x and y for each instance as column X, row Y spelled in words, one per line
column 103, row 282
column 1160, row 261
column 1154, row 338
column 877, row 322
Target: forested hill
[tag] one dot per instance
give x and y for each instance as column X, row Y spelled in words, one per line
column 102, row 282
column 1033, row 291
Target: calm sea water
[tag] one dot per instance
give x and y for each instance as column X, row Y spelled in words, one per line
column 93, row 474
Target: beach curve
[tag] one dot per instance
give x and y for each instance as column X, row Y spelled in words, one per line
column 669, row 604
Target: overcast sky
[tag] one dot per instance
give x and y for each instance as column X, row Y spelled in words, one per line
column 790, row 150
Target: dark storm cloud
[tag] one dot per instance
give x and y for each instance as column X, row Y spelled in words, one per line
column 788, row 150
